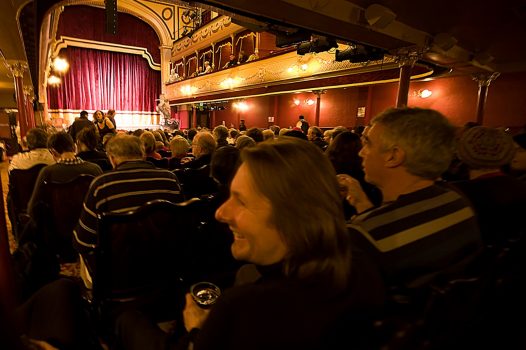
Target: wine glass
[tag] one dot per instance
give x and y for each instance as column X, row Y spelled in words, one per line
column 205, row 294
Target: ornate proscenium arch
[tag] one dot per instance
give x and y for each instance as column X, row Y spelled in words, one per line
column 160, row 16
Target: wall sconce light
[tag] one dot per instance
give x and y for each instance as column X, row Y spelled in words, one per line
column 423, row 93
column 297, row 102
column 241, row 106
column 230, row 83
column 188, row 90
column 53, row 80
column 60, row 65
column 309, row 101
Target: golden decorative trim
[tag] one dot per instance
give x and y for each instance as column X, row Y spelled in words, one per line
column 66, row 41
column 17, row 68
column 282, row 69
column 212, row 32
column 484, row 78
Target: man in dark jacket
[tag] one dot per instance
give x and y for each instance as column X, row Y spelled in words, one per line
column 79, row 124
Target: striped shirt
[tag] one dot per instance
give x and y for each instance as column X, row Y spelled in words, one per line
column 124, row 189
column 420, row 233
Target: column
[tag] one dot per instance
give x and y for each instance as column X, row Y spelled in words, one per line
column 17, row 69
column 166, row 56
column 406, row 61
column 483, row 80
column 194, row 117
column 318, row 94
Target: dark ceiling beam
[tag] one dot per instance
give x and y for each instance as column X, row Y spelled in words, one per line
column 284, row 13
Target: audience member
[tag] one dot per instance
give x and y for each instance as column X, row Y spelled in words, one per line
column 421, row 228
column 79, row 124
column 296, row 133
column 327, row 136
column 241, row 57
column 220, row 134
column 68, row 166
column 315, row 135
column 148, row 140
column 111, row 116
column 256, row 134
column 268, row 135
column 191, row 134
column 275, row 129
column 179, row 147
column 132, row 183
column 103, row 124
column 301, row 256
column 499, row 200
column 283, row 131
column 87, row 148
column 232, row 136
column 38, row 152
column 343, row 155
column 208, row 68
column 244, row 141
column 231, row 61
column 302, row 124
column 203, row 147
column 242, row 126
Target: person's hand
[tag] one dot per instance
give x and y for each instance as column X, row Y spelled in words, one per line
column 193, row 315
column 185, row 160
column 353, row 192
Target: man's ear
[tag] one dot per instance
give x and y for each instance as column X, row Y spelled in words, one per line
column 112, row 161
column 395, row 157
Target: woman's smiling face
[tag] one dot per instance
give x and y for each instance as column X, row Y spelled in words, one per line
column 247, row 212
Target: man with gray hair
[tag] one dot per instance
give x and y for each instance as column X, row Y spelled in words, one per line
column 421, row 228
column 203, row 147
column 38, row 152
column 132, row 183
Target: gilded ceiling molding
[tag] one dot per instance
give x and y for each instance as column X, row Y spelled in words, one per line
column 66, row 41
column 141, row 10
column 214, row 31
column 17, row 68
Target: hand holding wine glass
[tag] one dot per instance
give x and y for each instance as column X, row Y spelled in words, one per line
column 354, row 193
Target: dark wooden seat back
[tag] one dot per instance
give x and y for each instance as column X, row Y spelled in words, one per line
column 145, row 249
column 63, row 208
column 104, row 163
column 196, row 182
column 21, row 185
column 159, row 163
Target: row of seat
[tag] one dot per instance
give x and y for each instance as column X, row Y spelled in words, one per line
column 473, row 307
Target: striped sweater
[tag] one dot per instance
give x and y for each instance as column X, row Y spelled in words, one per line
column 126, row 188
column 420, row 233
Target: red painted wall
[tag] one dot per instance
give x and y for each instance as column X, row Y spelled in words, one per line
column 455, row 97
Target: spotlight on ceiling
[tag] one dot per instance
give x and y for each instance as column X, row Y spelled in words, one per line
column 359, row 53
column 292, row 38
column 317, row 44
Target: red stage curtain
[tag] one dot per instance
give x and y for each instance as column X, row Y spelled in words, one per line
column 105, row 80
